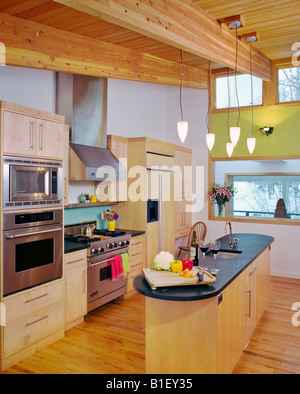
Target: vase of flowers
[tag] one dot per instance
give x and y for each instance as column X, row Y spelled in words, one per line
column 220, row 195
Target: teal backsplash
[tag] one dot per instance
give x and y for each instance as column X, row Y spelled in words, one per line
column 78, row 215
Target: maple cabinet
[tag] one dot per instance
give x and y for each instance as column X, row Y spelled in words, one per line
column 32, row 133
column 183, row 191
column 75, row 287
column 136, row 256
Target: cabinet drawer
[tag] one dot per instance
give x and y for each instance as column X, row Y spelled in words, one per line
column 32, row 328
column 29, row 301
column 153, row 160
column 133, row 274
column 74, row 259
column 135, row 261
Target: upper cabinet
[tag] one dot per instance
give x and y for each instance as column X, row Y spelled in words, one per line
column 32, row 133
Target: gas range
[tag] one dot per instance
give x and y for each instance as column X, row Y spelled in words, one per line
column 103, row 248
column 101, row 242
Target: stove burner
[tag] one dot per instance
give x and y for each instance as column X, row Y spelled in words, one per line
column 107, row 233
column 80, row 238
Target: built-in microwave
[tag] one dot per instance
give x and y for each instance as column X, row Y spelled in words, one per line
column 31, row 183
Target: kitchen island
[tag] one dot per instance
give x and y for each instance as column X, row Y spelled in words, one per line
column 204, row 329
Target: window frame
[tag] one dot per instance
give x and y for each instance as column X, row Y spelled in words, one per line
column 276, row 83
column 223, row 74
column 245, row 219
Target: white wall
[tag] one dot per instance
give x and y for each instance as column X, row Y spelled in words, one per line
column 25, row 86
column 141, row 109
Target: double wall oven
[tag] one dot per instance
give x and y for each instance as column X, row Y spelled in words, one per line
column 32, row 236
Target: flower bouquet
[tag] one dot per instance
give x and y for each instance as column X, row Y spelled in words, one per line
column 220, row 195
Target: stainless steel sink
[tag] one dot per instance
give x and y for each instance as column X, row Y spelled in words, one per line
column 229, row 254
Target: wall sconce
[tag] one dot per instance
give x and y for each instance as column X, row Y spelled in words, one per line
column 266, row 130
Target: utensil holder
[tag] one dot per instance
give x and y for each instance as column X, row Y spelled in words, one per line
column 111, row 225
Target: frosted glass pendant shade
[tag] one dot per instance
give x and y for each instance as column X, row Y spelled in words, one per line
column 234, row 135
column 229, row 148
column 210, row 140
column 251, row 144
column 182, row 128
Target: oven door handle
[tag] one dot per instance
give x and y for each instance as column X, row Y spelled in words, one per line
column 100, row 262
column 12, row 236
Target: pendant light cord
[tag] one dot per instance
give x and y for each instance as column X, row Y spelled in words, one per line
column 181, row 85
column 236, row 60
column 228, row 101
column 252, row 104
column 209, row 99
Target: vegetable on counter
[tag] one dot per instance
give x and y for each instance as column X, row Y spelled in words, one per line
column 187, row 274
column 162, row 261
column 176, row 266
column 187, row 264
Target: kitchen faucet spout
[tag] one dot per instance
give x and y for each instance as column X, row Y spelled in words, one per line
column 230, row 233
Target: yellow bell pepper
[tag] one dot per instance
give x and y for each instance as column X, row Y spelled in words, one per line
column 176, row 266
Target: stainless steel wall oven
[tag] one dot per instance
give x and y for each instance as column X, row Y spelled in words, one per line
column 32, row 248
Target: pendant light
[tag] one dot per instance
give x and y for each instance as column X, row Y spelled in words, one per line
column 251, row 141
column 235, row 131
column 210, row 137
column 182, row 127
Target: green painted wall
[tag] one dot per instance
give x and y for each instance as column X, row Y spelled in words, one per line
column 285, row 140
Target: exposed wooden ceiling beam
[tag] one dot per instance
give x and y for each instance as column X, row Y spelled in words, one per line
column 31, row 44
column 179, row 23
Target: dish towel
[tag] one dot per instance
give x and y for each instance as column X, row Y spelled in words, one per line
column 125, row 263
column 116, row 268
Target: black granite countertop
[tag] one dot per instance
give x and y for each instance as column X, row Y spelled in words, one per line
column 251, row 245
column 70, row 246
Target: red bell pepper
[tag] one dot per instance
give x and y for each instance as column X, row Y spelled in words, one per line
column 187, row 263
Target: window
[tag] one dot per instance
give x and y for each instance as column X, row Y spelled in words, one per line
column 259, row 185
column 243, row 90
column 258, row 195
column 289, row 84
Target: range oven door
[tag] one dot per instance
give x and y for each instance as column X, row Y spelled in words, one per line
column 101, row 287
column 31, row 256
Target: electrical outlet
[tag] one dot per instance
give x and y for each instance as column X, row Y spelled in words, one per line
column 102, row 215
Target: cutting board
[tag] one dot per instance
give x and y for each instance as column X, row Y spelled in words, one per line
column 168, row 278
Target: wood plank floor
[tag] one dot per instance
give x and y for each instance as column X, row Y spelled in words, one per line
column 111, row 340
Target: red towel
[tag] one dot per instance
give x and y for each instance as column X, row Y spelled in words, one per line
column 116, row 268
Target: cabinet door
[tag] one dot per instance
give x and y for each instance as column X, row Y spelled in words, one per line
column 75, row 284
column 19, row 134
column 251, row 285
column 49, row 139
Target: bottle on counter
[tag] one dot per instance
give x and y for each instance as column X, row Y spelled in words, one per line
column 194, row 251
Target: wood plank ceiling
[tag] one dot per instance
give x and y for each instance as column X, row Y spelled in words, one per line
column 83, row 37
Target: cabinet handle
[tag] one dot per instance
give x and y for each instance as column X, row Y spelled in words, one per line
column 249, row 314
column 36, row 321
column 253, row 271
column 31, row 131
column 83, row 278
column 41, row 136
column 36, row 298
column 74, row 261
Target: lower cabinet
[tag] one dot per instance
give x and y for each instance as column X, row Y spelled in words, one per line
column 34, row 319
column 240, row 307
column 75, row 287
column 136, row 256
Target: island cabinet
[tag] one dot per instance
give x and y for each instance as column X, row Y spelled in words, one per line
column 201, row 329
column 75, row 287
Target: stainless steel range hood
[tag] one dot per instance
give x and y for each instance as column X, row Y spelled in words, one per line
column 83, row 102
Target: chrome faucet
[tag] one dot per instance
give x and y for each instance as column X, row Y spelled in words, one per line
column 233, row 242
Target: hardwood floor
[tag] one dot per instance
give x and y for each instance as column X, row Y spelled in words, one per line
column 111, row 340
